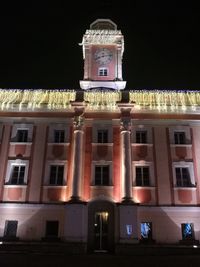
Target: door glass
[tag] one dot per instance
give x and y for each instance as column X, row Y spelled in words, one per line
column 101, row 230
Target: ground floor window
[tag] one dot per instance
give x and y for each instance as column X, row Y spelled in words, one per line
column 51, row 229
column 146, row 230
column 187, row 231
column 10, row 229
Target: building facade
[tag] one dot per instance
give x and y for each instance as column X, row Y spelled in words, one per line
column 103, row 166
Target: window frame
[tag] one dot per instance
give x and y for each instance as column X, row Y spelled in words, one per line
column 60, row 138
column 179, row 137
column 145, row 181
column 49, row 163
column 103, row 72
column 140, row 137
column 150, row 165
column 103, row 139
column 57, row 172
column 12, row 164
column 190, row 167
column 101, row 164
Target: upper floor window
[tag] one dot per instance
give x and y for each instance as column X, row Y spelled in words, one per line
column 102, row 175
column 142, row 176
column 17, row 175
column 103, row 72
column 102, row 136
column 179, row 138
column 59, row 136
column 141, row 137
column 183, row 177
column 22, row 135
column 56, row 174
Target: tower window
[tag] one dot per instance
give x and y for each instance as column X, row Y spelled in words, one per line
column 103, row 72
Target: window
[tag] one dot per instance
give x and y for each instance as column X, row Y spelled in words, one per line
column 103, row 72
column 51, row 229
column 56, row 175
column 22, row 136
column 187, row 231
column 17, row 175
column 102, row 175
column 102, row 136
column 179, row 138
column 182, row 177
column 141, row 137
column 146, row 230
column 142, row 176
column 10, row 229
column 59, row 136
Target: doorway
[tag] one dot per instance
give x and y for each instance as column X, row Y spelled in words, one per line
column 101, row 227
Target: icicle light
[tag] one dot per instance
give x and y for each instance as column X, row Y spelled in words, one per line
column 31, row 99
column 163, row 100
column 99, row 100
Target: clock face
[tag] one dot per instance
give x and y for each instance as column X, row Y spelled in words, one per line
column 103, row 56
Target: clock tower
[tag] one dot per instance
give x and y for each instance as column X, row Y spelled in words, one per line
column 103, row 47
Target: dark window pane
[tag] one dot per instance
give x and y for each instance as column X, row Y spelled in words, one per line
column 52, row 228
column 22, row 135
column 102, row 175
column 10, row 229
column 141, row 137
column 59, row 136
column 102, row 136
column 179, row 138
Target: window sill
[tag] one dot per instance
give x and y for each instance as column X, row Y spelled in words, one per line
column 21, row 143
column 185, row 187
column 59, row 144
column 144, row 187
column 54, row 186
column 181, row 145
column 102, row 144
column 141, row 144
column 100, row 186
column 15, row 185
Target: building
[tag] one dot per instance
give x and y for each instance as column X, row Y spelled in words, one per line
column 101, row 167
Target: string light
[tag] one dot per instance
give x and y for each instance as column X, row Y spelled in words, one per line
column 102, row 100
column 163, row 100
column 31, row 99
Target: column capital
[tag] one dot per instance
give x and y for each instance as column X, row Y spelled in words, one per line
column 125, row 124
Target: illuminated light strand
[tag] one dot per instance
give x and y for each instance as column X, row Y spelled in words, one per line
column 53, row 99
column 98, row 100
column 165, row 99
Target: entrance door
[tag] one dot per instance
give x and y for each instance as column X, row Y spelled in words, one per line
column 101, row 226
column 101, row 230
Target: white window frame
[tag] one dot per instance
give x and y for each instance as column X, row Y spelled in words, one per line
column 103, row 71
column 183, row 164
column 101, row 163
column 151, row 172
column 48, row 170
column 11, row 165
column 21, row 126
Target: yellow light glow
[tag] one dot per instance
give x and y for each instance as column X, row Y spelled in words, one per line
column 99, row 100
column 53, row 99
column 162, row 100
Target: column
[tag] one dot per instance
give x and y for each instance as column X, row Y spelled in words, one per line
column 77, row 160
column 126, row 159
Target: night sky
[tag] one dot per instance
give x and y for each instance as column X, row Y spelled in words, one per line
column 39, row 43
